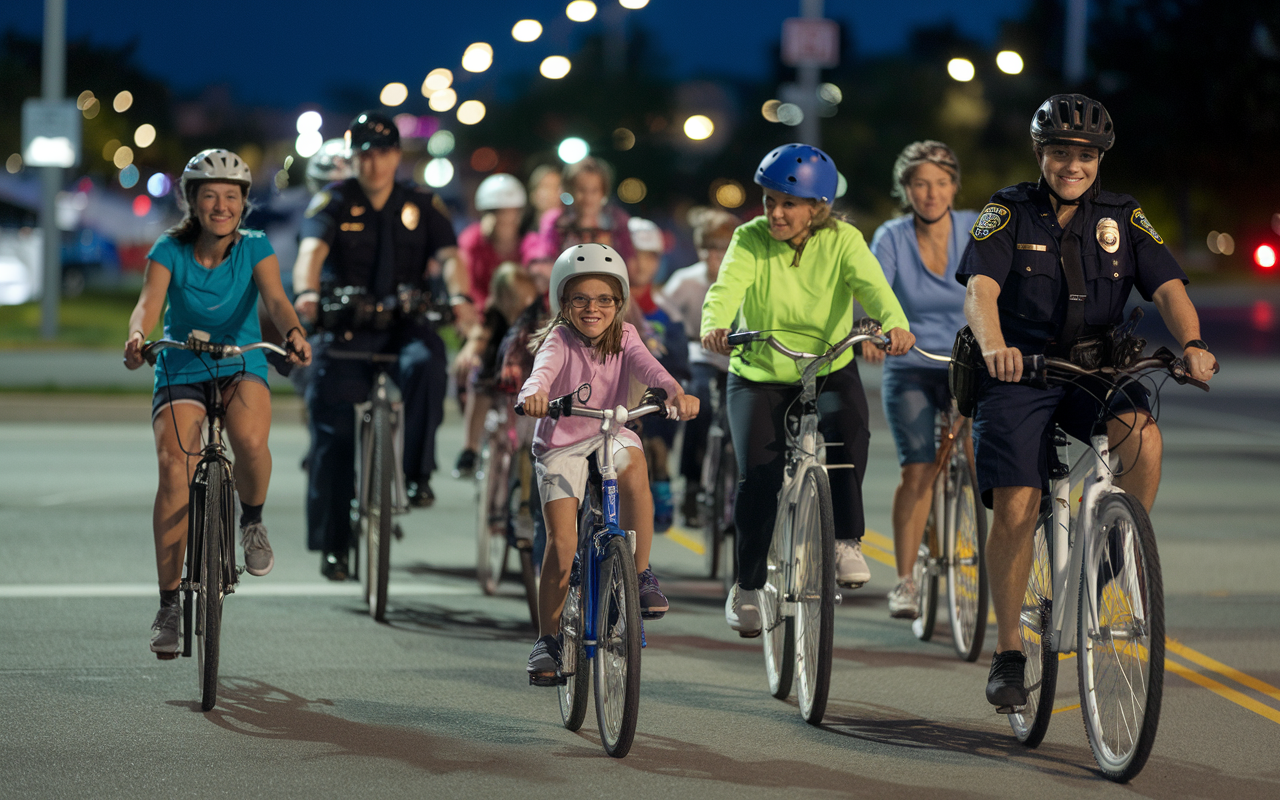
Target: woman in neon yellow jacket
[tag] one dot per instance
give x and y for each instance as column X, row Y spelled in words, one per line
column 796, row 271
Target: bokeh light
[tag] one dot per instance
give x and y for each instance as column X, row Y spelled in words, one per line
column 554, row 67
column 699, row 127
column 471, row 112
column 442, row 100
column 128, row 176
column 438, row 172
column 961, row 69
column 91, row 108
column 632, row 190
column 440, row 144
column 633, row 4
column 484, row 159
column 83, row 99
column 1226, row 244
column 830, row 93
column 109, row 149
column 393, row 94
column 158, row 185
column 842, row 184
column 122, row 102
column 573, row 150
column 145, row 135
column 729, row 194
column 13, row 164
column 308, row 144
column 281, row 180
column 436, row 80
column 141, row 205
column 123, row 156
column 477, row 57
column 580, row 10
column 1009, row 62
column 623, row 139
column 526, row 30
column 770, row 110
column 790, row 114
column 309, row 121
column 1265, row 256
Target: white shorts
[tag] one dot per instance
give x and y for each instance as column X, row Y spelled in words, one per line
column 562, row 473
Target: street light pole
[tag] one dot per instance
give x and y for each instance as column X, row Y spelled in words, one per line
column 1073, row 60
column 53, row 85
column 807, row 77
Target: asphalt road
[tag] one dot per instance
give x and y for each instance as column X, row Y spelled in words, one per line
column 318, row 700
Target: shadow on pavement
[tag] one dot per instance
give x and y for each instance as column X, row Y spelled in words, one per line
column 459, row 623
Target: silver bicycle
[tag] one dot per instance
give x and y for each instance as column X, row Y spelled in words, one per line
column 797, row 603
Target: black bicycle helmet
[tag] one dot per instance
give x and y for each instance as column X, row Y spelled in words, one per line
column 1073, row 119
column 372, row 129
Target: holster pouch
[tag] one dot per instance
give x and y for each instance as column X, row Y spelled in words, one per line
column 962, row 374
column 1091, row 352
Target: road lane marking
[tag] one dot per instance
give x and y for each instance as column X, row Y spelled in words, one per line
column 1066, row 708
column 1196, row 657
column 1217, row 688
column 312, row 589
column 682, row 537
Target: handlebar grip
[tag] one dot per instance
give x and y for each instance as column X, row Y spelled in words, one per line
column 1033, row 371
column 743, row 337
column 520, row 410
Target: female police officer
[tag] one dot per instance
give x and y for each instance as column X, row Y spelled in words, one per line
column 1049, row 264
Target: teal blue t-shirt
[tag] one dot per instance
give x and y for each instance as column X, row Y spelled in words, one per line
column 222, row 301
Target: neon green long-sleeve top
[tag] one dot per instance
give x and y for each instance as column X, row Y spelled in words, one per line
column 759, row 289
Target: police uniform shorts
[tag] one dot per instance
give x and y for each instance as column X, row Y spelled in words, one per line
column 1012, row 421
column 563, row 474
column 194, row 393
column 912, row 397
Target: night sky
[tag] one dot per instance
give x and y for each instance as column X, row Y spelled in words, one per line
column 287, row 52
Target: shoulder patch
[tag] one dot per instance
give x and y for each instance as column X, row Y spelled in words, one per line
column 992, row 218
column 1139, row 221
column 318, row 202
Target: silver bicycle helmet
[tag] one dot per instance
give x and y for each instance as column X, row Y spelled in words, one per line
column 215, row 165
column 587, row 259
column 500, row 191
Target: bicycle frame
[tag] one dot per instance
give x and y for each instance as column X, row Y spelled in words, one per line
column 384, row 393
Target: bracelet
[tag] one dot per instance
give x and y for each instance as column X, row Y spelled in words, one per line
column 308, row 295
column 460, row 299
column 1197, row 343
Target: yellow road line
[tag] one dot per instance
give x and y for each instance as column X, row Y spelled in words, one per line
column 878, row 539
column 1234, row 696
column 1236, row 675
column 683, row 538
column 1066, row 708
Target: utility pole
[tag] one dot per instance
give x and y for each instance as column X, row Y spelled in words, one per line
column 807, row 77
column 1073, row 58
column 53, row 85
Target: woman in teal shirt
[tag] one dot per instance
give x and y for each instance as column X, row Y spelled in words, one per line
column 212, row 273
column 795, row 269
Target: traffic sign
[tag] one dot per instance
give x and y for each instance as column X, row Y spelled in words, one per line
column 810, row 42
column 50, row 133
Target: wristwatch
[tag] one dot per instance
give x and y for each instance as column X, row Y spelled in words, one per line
column 1196, row 343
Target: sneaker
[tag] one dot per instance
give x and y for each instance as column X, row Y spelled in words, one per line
column 851, row 567
column 334, row 566
column 1005, row 684
column 165, row 630
column 653, row 603
column 420, row 495
column 663, row 508
column 742, row 611
column 904, row 600
column 544, row 662
column 465, row 466
column 258, row 558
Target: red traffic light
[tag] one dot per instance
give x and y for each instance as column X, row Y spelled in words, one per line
column 1265, row 256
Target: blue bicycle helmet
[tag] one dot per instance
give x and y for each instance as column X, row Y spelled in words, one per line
column 800, row 171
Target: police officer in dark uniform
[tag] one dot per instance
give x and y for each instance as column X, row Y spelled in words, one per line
column 1049, row 267
column 370, row 234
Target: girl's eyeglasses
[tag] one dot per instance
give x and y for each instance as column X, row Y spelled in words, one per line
column 581, row 301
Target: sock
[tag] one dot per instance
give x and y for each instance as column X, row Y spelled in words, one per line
column 168, row 597
column 250, row 514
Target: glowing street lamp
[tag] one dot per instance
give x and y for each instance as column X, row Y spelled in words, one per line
column 1009, row 62
column 580, row 10
column 555, row 67
column 526, row 30
column 477, row 57
column 699, row 127
column 961, row 69
column 573, row 150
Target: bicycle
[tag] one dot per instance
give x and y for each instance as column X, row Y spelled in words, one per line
column 955, row 538
column 506, row 501
column 719, row 484
column 211, row 571
column 1095, row 544
column 600, row 623
column 797, row 603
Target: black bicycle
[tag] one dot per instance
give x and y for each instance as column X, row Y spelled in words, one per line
column 211, row 570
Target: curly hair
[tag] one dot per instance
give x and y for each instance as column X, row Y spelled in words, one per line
column 916, row 154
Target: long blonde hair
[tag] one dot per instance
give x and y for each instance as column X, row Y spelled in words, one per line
column 606, row 344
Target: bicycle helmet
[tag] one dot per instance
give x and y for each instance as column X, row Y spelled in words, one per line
column 372, row 129
column 587, row 259
column 215, row 165
column 645, row 235
column 500, row 191
column 331, row 163
column 1073, row 119
column 800, row 171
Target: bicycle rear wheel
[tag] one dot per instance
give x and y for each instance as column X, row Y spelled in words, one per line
column 814, row 554
column 617, row 662
column 1121, row 638
column 378, row 527
column 779, row 630
column 1036, row 620
column 966, row 537
column 925, row 574
column 214, row 520
column 491, row 523
column 573, row 692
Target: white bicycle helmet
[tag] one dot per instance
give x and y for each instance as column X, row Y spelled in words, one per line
column 500, row 191
column 331, row 163
column 646, row 235
column 587, row 259
column 215, row 165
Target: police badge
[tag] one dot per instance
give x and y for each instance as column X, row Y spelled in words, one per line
column 993, row 218
column 409, row 215
column 1139, row 221
column 1108, row 233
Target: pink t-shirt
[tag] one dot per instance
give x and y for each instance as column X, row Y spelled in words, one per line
column 557, row 233
column 482, row 261
column 565, row 362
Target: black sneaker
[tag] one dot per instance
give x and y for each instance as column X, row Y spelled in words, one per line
column 334, row 566
column 1005, row 685
column 653, row 603
column 420, row 495
column 465, row 466
column 544, row 662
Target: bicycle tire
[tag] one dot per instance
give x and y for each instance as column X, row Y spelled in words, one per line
column 378, row 528
column 1122, row 730
column 483, row 491
column 966, row 537
column 925, row 574
column 617, row 661
column 491, row 528
column 710, row 485
column 529, row 578
column 573, row 692
column 1035, row 622
column 216, row 519
column 779, row 631
column 814, row 558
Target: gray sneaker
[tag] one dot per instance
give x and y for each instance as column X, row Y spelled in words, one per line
column 258, row 558
column 851, row 566
column 742, row 611
column 904, row 600
column 165, row 630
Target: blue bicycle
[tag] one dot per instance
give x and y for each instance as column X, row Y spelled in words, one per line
column 600, row 625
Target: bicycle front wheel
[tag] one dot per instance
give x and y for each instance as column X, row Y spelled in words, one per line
column 966, row 566
column 1121, row 638
column 214, row 520
column 779, row 629
column 491, row 527
column 573, row 692
column 378, row 529
column 814, row 554
column 1035, row 622
column 617, row 662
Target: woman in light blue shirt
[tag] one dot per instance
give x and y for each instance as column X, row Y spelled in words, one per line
column 919, row 253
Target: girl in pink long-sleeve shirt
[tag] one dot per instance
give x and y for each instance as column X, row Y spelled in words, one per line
column 587, row 342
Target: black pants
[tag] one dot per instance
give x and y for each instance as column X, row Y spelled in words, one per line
column 695, row 430
column 756, row 419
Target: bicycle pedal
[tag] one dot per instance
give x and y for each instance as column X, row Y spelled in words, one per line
column 851, row 585
column 167, row 656
column 652, row 615
column 548, row 680
column 1006, row 710
column 750, row 634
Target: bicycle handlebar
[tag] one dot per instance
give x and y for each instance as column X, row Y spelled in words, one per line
column 564, row 406
column 1037, row 369
column 151, row 350
column 865, row 330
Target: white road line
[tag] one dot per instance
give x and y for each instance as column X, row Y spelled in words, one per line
column 317, row 589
